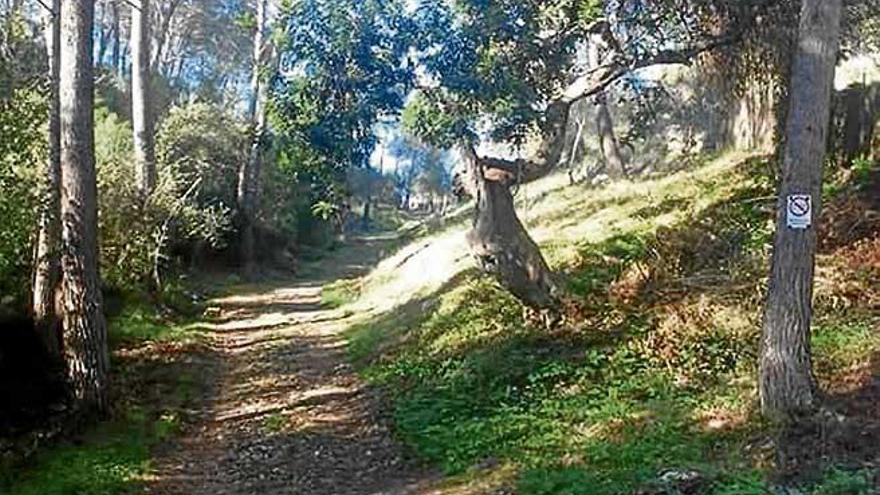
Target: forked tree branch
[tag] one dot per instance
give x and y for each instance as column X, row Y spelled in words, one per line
column 593, row 82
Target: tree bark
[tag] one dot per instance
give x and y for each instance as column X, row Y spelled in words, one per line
column 249, row 173
column 162, row 35
column 365, row 218
column 500, row 243
column 47, row 268
column 141, row 114
column 572, row 159
column 85, row 331
column 787, row 385
column 103, row 35
column 615, row 164
column 115, row 54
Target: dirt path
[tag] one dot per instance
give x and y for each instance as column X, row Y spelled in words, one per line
column 287, row 414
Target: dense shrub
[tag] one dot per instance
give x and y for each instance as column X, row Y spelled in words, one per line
column 191, row 203
column 22, row 151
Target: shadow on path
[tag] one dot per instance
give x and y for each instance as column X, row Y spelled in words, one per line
column 289, row 414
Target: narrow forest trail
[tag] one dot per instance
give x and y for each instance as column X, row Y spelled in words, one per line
column 285, row 412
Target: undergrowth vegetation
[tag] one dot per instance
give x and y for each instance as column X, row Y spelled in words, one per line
column 650, row 378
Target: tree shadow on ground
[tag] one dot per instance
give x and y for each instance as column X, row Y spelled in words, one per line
column 475, row 386
column 156, row 388
column 845, row 433
column 291, row 418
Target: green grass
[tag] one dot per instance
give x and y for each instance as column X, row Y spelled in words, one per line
column 112, row 457
column 477, row 383
column 843, row 338
column 108, row 460
column 140, row 323
column 663, row 378
column 339, row 293
column 275, row 423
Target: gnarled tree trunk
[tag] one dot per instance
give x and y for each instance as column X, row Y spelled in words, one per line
column 787, row 385
column 85, row 331
column 499, row 241
column 47, row 268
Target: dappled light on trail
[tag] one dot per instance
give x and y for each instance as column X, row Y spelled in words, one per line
column 289, row 415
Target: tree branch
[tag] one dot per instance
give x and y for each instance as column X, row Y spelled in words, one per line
column 590, row 84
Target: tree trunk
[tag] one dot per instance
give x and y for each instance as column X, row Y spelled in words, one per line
column 47, row 268
column 141, row 114
column 572, row 159
column 249, row 174
column 501, row 244
column 115, row 54
column 162, row 35
column 103, row 35
column 85, row 331
column 365, row 219
column 615, row 165
column 787, row 385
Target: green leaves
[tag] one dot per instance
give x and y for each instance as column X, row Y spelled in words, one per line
column 22, row 154
column 501, row 59
column 425, row 119
column 346, row 67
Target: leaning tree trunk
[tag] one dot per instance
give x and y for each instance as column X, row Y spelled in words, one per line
column 501, row 244
column 249, row 173
column 498, row 239
column 141, row 113
column 787, row 385
column 85, row 331
column 615, row 165
column 47, row 266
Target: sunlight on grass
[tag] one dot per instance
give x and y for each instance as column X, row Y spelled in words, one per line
column 665, row 277
column 560, row 218
column 340, row 293
column 110, row 459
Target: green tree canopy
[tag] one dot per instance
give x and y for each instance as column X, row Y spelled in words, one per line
column 344, row 64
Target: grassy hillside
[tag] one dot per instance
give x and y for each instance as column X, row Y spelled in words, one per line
column 649, row 386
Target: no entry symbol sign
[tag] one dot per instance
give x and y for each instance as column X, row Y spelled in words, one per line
column 800, row 211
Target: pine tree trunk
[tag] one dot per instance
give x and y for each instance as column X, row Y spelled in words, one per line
column 47, row 268
column 615, row 165
column 141, row 114
column 115, row 54
column 162, row 36
column 787, row 385
column 249, row 174
column 85, row 332
column 501, row 244
column 103, row 36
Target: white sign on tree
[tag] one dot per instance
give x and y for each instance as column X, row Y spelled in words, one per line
column 799, row 212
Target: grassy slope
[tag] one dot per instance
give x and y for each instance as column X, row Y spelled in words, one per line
column 655, row 368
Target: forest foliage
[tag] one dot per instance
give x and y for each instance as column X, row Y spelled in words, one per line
column 611, row 323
